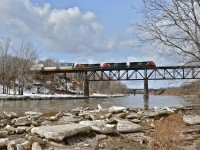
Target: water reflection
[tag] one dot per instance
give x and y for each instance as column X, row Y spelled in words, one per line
column 146, row 102
column 87, row 102
column 57, row 105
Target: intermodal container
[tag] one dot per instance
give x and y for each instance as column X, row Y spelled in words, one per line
column 66, row 65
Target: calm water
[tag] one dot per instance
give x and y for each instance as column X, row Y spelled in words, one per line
column 20, row 106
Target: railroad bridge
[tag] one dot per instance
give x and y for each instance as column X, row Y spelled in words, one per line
column 130, row 73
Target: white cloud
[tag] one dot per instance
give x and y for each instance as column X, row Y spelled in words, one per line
column 62, row 30
column 68, row 31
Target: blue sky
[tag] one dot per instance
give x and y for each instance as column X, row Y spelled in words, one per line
column 80, row 31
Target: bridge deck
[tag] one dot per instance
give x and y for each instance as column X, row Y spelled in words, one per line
column 133, row 73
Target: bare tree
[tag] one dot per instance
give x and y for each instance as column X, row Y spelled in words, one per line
column 48, row 62
column 174, row 24
column 5, row 63
column 108, row 87
column 25, row 58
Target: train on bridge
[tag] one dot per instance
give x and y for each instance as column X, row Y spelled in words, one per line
column 72, row 66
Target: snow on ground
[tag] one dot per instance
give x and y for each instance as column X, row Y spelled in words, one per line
column 107, row 95
column 35, row 96
column 39, row 95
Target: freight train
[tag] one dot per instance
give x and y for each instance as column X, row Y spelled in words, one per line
column 71, row 66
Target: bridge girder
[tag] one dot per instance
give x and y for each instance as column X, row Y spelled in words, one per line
column 126, row 73
column 146, row 74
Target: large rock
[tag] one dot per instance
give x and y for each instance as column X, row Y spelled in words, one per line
column 3, row 134
column 125, row 126
column 25, row 145
column 13, row 144
column 116, row 109
column 133, row 116
column 23, row 121
column 10, row 114
column 21, row 129
column 3, row 142
column 191, row 119
column 59, row 132
column 100, row 126
column 10, row 129
column 36, row 146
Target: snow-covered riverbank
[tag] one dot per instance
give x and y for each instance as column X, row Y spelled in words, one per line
column 53, row 97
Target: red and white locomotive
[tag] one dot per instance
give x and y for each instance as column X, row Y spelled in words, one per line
column 116, row 65
column 71, row 66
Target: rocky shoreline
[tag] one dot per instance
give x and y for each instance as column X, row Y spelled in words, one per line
column 91, row 129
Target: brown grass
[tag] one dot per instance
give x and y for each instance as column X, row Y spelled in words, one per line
column 197, row 143
column 167, row 133
column 192, row 88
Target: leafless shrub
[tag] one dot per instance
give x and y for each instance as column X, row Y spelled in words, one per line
column 108, row 87
column 25, row 57
column 167, row 133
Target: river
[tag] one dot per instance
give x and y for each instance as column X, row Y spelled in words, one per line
column 20, row 106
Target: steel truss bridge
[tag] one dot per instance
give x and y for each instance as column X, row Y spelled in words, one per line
column 129, row 73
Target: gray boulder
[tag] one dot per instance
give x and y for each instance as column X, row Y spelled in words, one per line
column 12, row 145
column 191, row 119
column 100, row 126
column 59, row 132
column 3, row 134
column 116, row 109
column 36, row 146
column 133, row 116
column 125, row 126
column 10, row 129
column 3, row 142
column 23, row 121
column 21, row 129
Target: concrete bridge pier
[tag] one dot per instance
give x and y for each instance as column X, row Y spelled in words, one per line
column 146, row 92
column 86, row 86
column 146, row 95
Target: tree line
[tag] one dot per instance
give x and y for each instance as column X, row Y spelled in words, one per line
column 15, row 63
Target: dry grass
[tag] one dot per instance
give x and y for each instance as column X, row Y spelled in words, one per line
column 192, row 88
column 197, row 144
column 121, row 142
column 167, row 133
